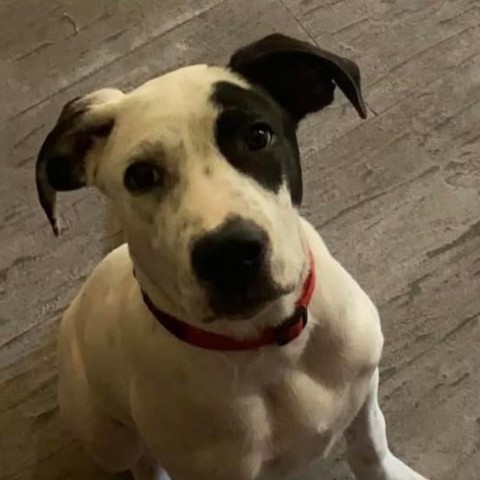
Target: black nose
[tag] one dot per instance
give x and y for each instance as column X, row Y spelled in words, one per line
column 231, row 257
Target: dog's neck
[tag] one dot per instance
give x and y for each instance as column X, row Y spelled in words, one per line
column 271, row 315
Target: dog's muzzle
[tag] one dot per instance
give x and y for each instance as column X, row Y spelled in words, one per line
column 231, row 262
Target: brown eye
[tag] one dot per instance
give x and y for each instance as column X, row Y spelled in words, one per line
column 141, row 177
column 258, row 136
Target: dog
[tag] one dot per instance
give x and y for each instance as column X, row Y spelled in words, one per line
column 222, row 340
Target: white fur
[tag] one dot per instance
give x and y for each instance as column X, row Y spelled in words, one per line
column 139, row 398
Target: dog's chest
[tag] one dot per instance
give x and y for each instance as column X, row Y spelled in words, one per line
column 261, row 420
column 301, row 421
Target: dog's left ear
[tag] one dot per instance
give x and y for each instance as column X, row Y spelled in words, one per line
column 71, row 151
column 299, row 76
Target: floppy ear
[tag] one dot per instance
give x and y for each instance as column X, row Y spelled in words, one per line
column 299, row 76
column 66, row 155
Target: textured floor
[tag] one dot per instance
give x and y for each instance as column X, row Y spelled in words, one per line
column 396, row 197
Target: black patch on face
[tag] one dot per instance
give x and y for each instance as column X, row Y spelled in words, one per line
column 279, row 160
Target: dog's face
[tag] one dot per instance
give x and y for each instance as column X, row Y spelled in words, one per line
column 202, row 170
column 202, row 167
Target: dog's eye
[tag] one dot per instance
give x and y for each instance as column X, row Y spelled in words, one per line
column 141, row 177
column 258, row 136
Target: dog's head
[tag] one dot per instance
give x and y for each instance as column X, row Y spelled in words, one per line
column 202, row 167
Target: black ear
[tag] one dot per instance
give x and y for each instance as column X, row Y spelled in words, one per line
column 61, row 163
column 300, row 76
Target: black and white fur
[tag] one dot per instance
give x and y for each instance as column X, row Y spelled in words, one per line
column 202, row 168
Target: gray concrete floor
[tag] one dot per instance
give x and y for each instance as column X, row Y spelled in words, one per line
column 395, row 197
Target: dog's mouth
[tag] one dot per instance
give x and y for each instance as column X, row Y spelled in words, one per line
column 244, row 305
column 246, row 301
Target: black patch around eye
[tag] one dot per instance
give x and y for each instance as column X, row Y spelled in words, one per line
column 256, row 136
column 141, row 177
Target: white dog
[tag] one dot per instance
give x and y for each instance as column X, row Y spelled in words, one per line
column 222, row 341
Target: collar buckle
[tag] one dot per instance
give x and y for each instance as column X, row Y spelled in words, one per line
column 292, row 328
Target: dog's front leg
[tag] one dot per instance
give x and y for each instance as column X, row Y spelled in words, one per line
column 367, row 447
column 147, row 468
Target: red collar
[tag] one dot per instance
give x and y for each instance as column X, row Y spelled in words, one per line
column 284, row 333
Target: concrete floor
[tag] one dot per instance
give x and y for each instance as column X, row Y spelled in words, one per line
column 396, row 197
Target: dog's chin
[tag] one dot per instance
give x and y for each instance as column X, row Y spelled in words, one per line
column 240, row 307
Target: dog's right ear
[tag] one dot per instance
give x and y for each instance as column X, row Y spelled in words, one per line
column 69, row 153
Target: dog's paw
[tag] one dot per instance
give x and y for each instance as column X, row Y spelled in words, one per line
column 391, row 468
